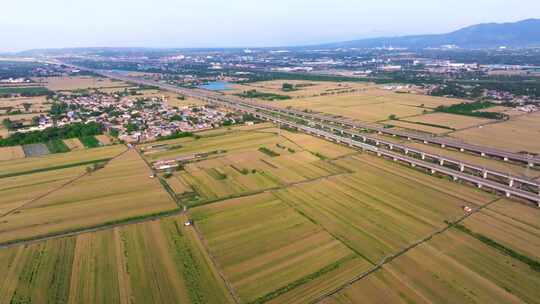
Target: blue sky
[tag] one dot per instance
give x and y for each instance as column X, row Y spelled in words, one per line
column 29, row 24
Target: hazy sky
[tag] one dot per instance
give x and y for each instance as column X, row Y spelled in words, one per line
column 28, row 24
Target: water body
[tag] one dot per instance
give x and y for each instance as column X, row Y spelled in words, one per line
column 217, row 86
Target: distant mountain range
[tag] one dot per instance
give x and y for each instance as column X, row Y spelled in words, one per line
column 524, row 33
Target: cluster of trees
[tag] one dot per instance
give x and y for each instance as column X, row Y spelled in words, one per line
column 261, row 95
column 24, row 91
column 472, row 109
column 65, row 132
column 288, row 87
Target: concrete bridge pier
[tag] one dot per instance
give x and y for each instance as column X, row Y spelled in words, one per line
column 413, row 165
column 391, row 147
column 484, row 174
column 505, row 159
column 441, row 162
column 443, row 146
column 479, row 186
column 455, row 178
column 508, row 194
column 511, row 183
column 461, row 167
column 406, row 151
column 461, row 150
column 423, row 155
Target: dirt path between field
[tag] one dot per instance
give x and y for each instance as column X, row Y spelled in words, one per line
column 55, row 189
column 392, row 257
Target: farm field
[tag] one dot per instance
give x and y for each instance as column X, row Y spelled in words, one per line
column 453, row 121
column 450, row 268
column 154, row 262
column 55, row 161
column 251, row 160
column 241, row 173
column 368, row 109
column 515, row 135
column 119, row 191
column 375, row 212
column 70, row 83
column 74, row 144
column 402, row 124
column 17, row 190
column 11, row 153
column 263, row 246
column 512, row 225
column 370, row 104
column 303, row 89
column 103, row 139
column 37, row 104
column 227, row 141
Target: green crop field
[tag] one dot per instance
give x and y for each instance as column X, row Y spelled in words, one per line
column 90, row 141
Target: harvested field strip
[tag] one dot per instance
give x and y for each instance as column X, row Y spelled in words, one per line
column 74, row 144
column 11, row 153
column 74, row 158
column 104, row 140
column 266, row 241
column 56, row 167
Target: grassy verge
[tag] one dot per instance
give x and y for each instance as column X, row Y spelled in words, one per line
column 535, row 265
column 276, row 293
